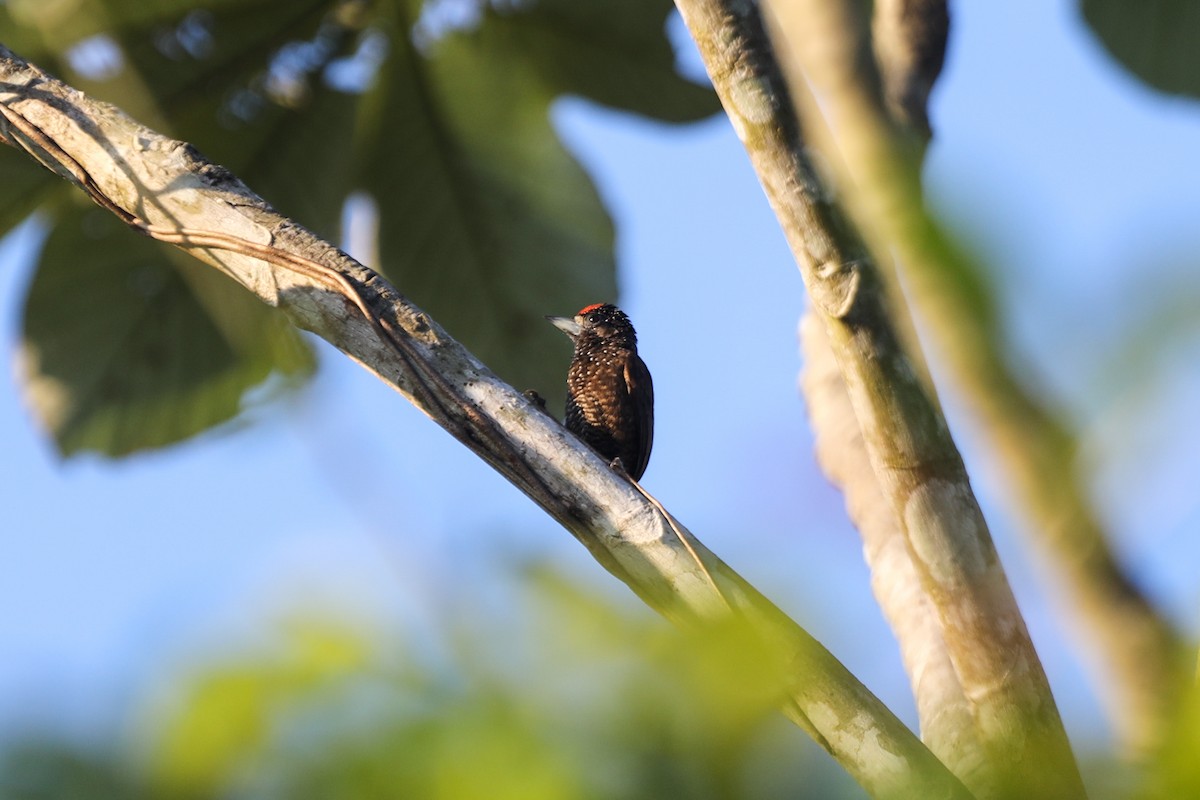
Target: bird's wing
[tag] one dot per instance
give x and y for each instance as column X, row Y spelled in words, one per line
column 641, row 388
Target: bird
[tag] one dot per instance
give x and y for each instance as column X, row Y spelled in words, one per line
column 610, row 396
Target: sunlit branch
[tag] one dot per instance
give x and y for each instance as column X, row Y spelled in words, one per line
column 1136, row 652
column 914, row 458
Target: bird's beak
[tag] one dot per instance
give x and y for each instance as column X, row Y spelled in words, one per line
column 567, row 325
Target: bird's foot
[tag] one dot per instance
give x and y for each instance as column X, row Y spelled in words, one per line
column 532, row 396
column 617, row 465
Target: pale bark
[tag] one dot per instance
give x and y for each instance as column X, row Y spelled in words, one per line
column 947, row 727
column 909, row 51
column 1137, row 656
column 914, row 458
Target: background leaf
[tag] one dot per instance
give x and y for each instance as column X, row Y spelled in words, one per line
column 25, row 182
column 614, row 53
column 1154, row 39
column 123, row 351
column 488, row 232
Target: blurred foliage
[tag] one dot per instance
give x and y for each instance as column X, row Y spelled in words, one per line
column 596, row 702
column 49, row 769
column 1154, row 39
column 133, row 347
column 1178, row 768
column 438, row 110
column 552, row 694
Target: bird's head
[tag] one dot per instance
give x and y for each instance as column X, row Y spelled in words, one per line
column 599, row 320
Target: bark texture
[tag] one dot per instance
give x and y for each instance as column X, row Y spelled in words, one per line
column 947, row 726
column 914, row 458
column 1138, row 657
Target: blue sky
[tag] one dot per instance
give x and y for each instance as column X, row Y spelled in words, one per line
column 1075, row 184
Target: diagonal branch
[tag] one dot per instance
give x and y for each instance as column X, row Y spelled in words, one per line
column 1137, row 654
column 908, row 43
column 165, row 189
column 947, row 727
column 919, row 469
column 908, row 49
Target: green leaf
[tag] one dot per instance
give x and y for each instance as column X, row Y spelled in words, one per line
column 198, row 342
column 122, row 351
column 25, row 183
column 615, row 53
column 486, row 220
column 221, row 103
column 186, row 94
column 36, row 767
column 299, row 159
column 227, row 717
column 1154, row 39
column 57, row 24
